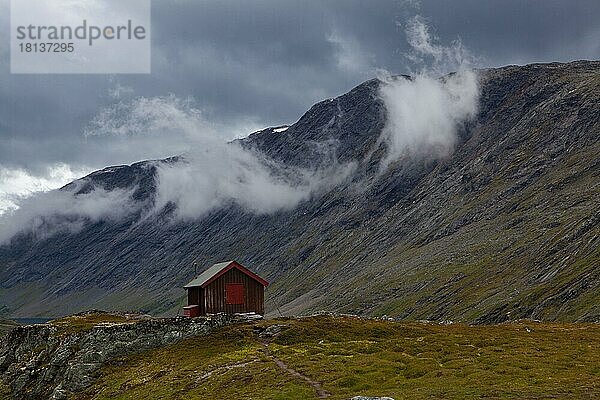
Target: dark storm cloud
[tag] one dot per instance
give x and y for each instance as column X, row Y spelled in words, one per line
column 254, row 63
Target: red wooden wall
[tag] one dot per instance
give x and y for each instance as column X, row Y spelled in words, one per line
column 213, row 298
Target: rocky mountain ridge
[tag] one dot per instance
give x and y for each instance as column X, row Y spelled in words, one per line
column 504, row 228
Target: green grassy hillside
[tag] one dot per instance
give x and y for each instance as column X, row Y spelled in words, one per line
column 340, row 357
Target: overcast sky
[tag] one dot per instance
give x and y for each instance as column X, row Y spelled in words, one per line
column 250, row 64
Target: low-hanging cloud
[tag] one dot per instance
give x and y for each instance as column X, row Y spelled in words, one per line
column 427, row 54
column 423, row 115
column 349, row 55
column 228, row 174
column 146, row 116
column 17, row 184
column 63, row 211
column 212, row 172
column 425, row 111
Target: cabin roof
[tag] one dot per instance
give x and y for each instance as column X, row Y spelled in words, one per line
column 208, row 276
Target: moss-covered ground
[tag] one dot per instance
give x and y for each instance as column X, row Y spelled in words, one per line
column 77, row 323
column 350, row 356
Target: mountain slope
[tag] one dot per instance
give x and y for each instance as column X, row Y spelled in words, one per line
column 506, row 227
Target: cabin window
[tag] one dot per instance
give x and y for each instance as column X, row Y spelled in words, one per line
column 234, row 293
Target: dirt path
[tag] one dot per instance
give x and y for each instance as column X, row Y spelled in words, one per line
column 222, row 370
column 319, row 391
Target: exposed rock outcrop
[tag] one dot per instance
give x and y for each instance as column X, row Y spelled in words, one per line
column 50, row 361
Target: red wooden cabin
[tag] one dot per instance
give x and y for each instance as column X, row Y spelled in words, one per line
column 226, row 287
